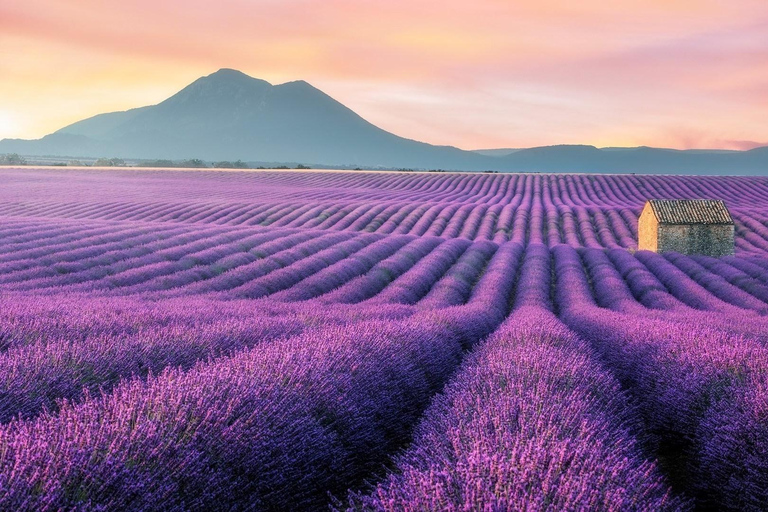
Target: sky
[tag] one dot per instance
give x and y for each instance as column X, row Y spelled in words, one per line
column 473, row 74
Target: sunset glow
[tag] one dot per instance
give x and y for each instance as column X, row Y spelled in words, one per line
column 489, row 73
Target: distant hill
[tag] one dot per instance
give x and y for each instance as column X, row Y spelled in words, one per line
column 642, row 160
column 229, row 116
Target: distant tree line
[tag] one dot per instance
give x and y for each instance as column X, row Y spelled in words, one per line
column 238, row 164
column 12, row 159
column 192, row 162
column 109, row 162
column 198, row 163
column 16, row 159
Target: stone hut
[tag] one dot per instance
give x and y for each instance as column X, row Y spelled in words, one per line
column 687, row 226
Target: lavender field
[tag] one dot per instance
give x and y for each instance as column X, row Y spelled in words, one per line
column 306, row 340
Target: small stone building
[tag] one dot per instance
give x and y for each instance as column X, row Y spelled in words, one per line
column 687, row 226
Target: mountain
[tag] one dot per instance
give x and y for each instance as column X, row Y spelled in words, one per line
column 229, row 115
column 642, row 160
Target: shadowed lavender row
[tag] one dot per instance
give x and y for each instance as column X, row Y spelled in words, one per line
column 277, row 426
column 530, row 421
column 702, row 392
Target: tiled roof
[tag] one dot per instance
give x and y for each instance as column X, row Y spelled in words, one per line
column 690, row 211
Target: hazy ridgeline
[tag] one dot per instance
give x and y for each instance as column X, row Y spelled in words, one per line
column 186, row 340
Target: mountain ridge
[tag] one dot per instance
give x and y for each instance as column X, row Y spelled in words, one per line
column 230, row 115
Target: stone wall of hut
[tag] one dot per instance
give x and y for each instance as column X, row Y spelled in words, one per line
column 709, row 239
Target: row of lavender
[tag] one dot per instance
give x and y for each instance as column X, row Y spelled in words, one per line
column 128, row 383
column 341, row 267
column 40, row 187
column 582, row 211
column 701, row 395
column 700, row 379
column 530, row 422
column 606, row 226
column 50, row 354
column 285, row 422
column 278, row 423
column 536, row 418
column 275, row 426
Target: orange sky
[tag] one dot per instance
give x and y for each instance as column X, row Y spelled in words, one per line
column 485, row 73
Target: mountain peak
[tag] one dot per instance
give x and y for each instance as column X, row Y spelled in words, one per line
column 228, row 71
column 230, row 74
column 224, row 89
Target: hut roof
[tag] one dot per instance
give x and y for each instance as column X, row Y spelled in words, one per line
column 690, row 211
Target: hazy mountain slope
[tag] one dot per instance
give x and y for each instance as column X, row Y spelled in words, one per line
column 95, row 127
column 229, row 115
